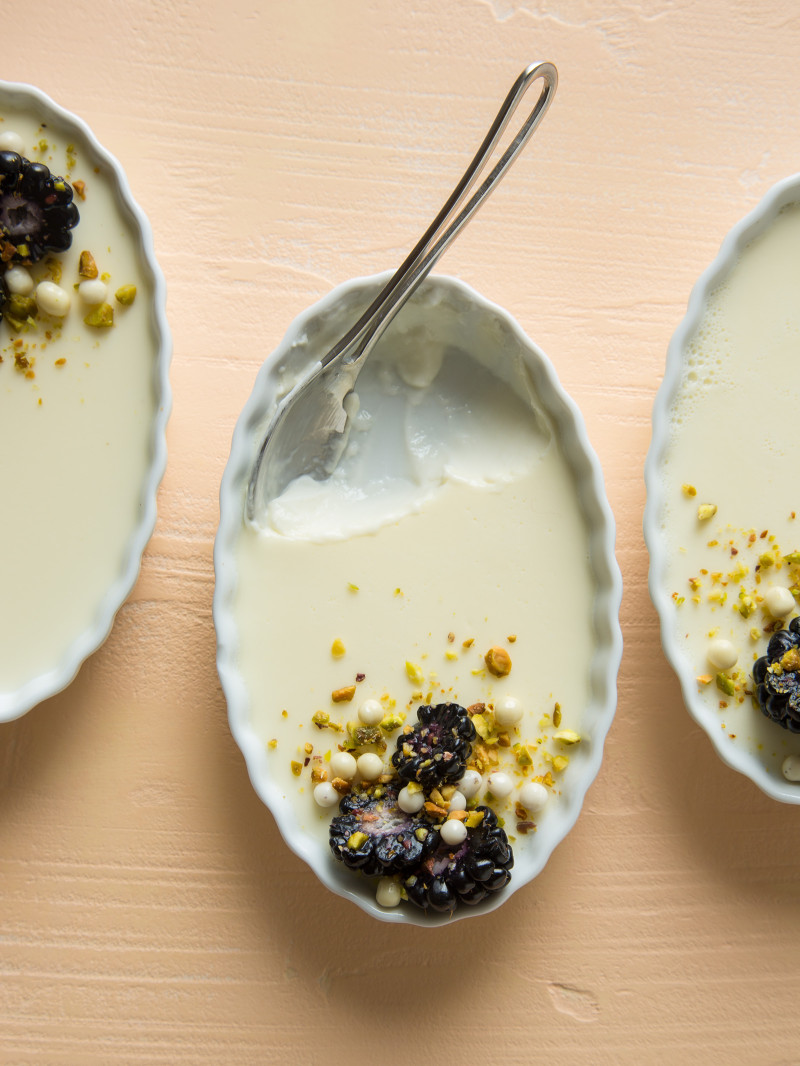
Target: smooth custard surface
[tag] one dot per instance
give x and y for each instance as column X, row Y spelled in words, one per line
column 731, row 519
column 403, row 610
column 76, row 415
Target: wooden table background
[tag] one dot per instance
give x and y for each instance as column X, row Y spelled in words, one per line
column 149, row 911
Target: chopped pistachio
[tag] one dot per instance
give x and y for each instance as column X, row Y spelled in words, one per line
column 706, row 511
column 125, row 295
column 725, row 684
column 557, row 715
column 568, row 736
column 523, row 755
column 343, row 695
column 414, row 673
column 498, row 661
column 357, row 840
column 101, row 317
column 297, row 767
column 481, row 726
column 393, row 721
column 87, row 267
column 20, row 307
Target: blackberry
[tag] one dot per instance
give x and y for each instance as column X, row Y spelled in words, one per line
column 466, row 873
column 373, row 835
column 37, row 213
column 778, row 690
column 435, row 751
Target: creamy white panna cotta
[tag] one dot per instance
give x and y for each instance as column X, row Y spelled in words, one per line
column 731, row 513
column 452, row 527
column 77, row 407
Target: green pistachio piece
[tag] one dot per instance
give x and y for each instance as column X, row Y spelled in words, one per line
column 125, row 295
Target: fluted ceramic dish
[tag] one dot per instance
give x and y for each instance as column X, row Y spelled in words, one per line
column 758, row 751
column 63, row 136
column 306, row 337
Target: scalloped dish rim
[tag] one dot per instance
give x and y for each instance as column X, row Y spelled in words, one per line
column 781, row 194
column 572, row 436
column 14, row 704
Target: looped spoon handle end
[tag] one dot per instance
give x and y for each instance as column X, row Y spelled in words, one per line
column 308, row 432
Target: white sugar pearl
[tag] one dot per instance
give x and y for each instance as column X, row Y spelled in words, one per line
column 722, row 654
column 500, row 784
column 343, row 765
column 93, row 291
column 533, row 796
column 18, row 280
column 779, row 601
column 370, row 766
column 410, row 802
column 388, row 893
column 11, row 142
column 791, row 767
column 52, row 299
column 470, row 784
column 507, row 710
column 453, row 831
column 325, row 795
column 458, row 802
column 370, row 712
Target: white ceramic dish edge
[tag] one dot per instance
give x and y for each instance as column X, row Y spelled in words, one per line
column 580, row 455
column 14, row 704
column 784, row 192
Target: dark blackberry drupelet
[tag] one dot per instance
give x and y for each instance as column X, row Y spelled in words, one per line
column 37, row 213
column 777, row 678
column 372, row 834
column 435, row 751
column 464, row 873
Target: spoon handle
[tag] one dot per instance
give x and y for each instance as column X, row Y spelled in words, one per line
column 313, row 443
column 358, row 341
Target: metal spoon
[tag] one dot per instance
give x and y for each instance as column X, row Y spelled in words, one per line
column 309, row 429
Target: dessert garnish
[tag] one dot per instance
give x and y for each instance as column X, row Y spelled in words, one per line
column 777, row 678
column 372, row 834
column 37, row 212
column 467, row 872
column 435, row 751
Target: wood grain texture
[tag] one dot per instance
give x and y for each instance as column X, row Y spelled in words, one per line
column 149, row 911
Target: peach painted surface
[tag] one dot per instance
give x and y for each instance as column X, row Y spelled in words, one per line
column 149, row 912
